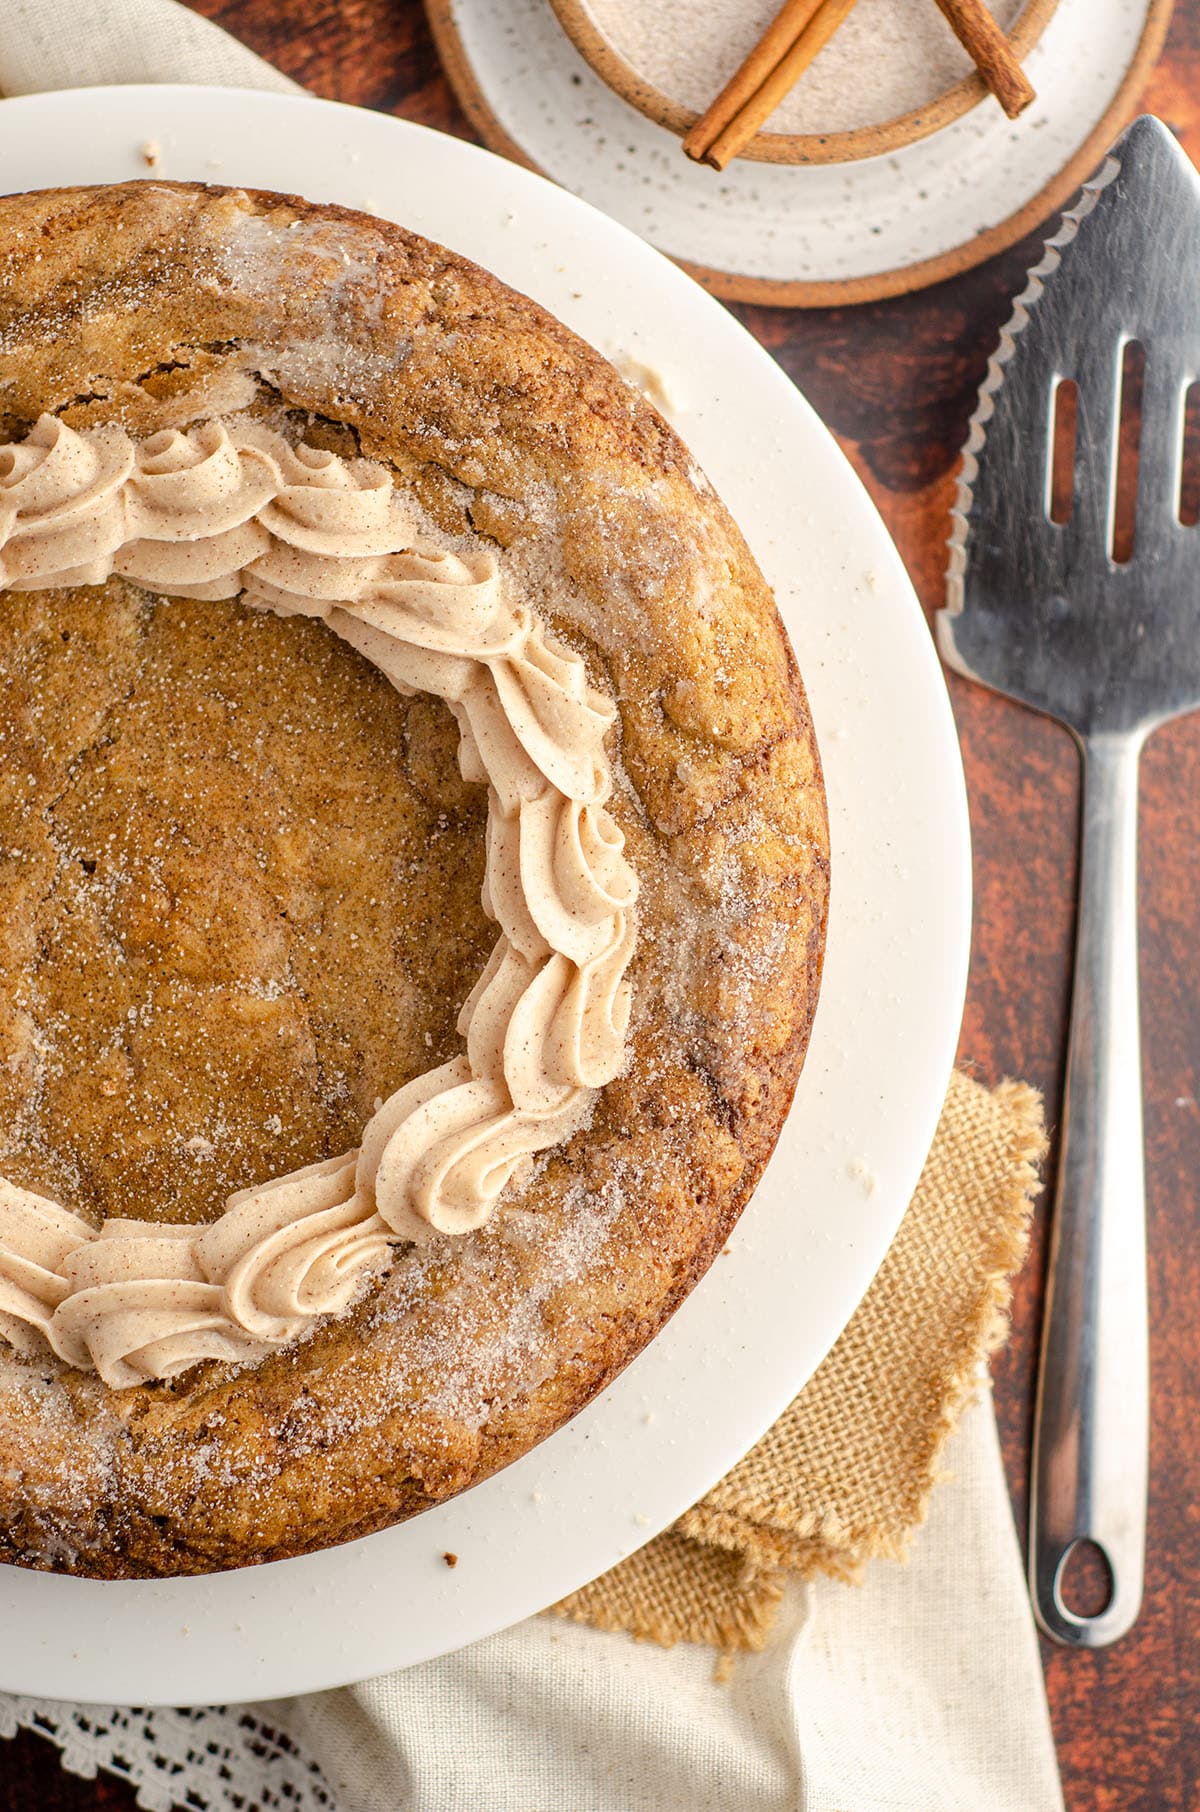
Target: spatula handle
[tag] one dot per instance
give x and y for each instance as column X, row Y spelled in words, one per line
column 1092, row 1418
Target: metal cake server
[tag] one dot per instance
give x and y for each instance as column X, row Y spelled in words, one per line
column 1041, row 611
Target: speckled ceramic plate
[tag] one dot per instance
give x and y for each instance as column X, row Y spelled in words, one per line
column 811, row 1239
column 815, row 234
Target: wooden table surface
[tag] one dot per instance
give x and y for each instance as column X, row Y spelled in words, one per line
column 896, row 383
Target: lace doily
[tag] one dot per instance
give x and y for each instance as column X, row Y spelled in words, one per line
column 208, row 1758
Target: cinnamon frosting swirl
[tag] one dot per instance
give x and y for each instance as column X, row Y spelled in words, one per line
column 231, row 508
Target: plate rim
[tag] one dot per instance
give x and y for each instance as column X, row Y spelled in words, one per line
column 179, row 1676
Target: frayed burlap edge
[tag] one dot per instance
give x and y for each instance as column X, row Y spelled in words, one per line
column 845, row 1475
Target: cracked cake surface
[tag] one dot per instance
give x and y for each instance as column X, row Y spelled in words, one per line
column 241, row 873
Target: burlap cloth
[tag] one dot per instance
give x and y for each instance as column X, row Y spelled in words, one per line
column 845, row 1474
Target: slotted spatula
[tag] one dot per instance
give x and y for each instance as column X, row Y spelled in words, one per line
column 1040, row 610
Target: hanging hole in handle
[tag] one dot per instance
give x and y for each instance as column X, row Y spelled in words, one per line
column 1083, row 1582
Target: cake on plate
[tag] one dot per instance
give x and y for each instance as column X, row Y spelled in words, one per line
column 413, row 871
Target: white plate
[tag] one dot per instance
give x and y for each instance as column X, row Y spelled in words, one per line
column 883, row 1043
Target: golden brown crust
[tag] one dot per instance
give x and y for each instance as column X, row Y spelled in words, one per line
column 155, row 304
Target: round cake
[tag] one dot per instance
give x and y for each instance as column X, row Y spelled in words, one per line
column 413, row 870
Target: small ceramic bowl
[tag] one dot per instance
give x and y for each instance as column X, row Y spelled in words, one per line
column 581, row 26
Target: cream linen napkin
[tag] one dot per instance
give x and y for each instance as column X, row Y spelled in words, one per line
column 920, row 1691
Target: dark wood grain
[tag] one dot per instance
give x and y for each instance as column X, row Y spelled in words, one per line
column 896, row 383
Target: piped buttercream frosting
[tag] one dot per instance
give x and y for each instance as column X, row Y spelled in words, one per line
column 232, row 508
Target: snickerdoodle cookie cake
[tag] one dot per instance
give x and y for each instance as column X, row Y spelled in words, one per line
column 413, row 876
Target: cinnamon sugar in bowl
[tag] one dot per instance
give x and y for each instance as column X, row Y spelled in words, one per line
column 892, row 73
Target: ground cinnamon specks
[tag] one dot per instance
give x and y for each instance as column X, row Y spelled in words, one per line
column 888, row 58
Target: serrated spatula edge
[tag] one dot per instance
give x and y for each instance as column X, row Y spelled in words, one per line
column 1023, row 307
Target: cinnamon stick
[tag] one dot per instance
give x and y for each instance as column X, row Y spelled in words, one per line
column 800, row 30
column 774, row 44
column 991, row 53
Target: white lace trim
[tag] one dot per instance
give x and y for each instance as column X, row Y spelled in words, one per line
column 207, row 1758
